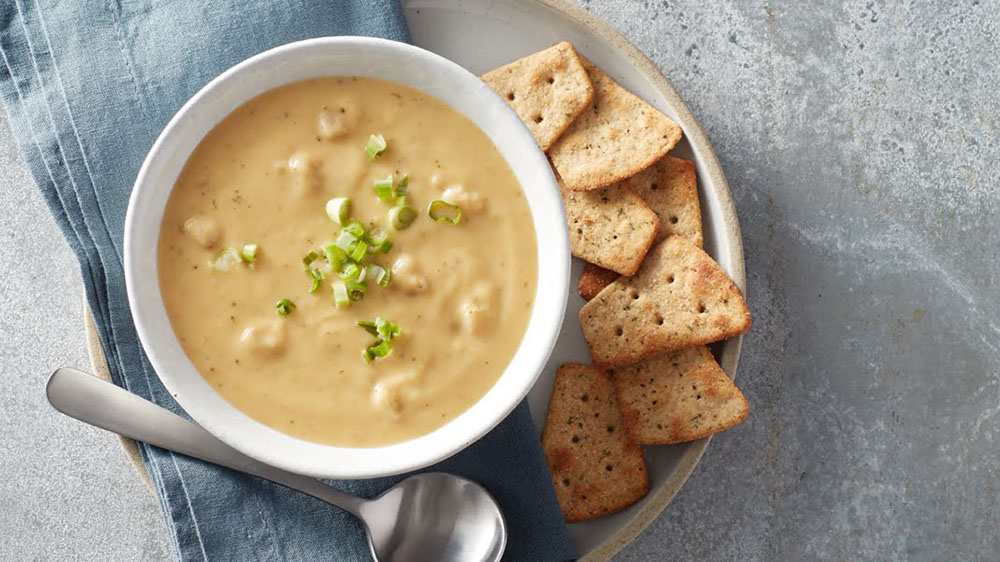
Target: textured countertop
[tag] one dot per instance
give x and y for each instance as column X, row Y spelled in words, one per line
column 860, row 141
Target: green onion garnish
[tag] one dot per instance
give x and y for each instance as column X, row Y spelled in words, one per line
column 345, row 241
column 388, row 330
column 383, row 188
column 374, row 351
column 376, row 145
column 378, row 241
column 248, row 253
column 317, row 276
column 403, row 185
column 402, row 216
column 443, row 211
column 284, row 307
column 350, row 272
column 355, row 229
column 359, row 251
column 384, row 332
column 356, row 290
column 369, row 327
column 378, row 275
column 338, row 209
column 310, row 257
column 226, row 259
column 334, row 256
column 380, row 328
column 340, row 297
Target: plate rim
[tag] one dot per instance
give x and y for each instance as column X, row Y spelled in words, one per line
column 729, row 361
column 696, row 136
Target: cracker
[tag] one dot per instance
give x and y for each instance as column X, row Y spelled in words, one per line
column 611, row 227
column 679, row 298
column 617, row 136
column 594, row 279
column 595, row 469
column 548, row 90
column 670, row 188
column 677, row 397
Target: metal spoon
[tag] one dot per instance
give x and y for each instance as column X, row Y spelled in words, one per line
column 433, row 516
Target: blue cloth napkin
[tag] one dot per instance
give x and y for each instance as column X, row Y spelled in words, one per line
column 88, row 86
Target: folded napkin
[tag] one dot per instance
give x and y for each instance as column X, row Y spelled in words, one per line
column 87, row 87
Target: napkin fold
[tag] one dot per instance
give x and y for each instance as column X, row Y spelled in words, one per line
column 87, row 87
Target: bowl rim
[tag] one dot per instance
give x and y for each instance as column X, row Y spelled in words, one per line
column 511, row 138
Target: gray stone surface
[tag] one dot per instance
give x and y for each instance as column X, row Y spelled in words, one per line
column 861, row 144
column 67, row 492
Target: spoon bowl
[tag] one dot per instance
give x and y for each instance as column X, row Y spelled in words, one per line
column 435, row 516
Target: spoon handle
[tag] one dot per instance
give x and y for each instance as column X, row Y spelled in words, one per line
column 107, row 406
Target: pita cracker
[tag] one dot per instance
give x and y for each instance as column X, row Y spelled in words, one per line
column 547, row 89
column 611, row 227
column 679, row 298
column 670, row 188
column 594, row 279
column 617, row 136
column 595, row 469
column 677, row 397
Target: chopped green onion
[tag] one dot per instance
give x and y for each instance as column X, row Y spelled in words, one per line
column 379, row 349
column 381, row 328
column 388, row 330
column 248, row 253
column 356, row 290
column 378, row 241
column 317, row 276
column 355, row 229
column 384, row 332
column 345, row 241
column 226, row 260
column 359, row 251
column 310, row 257
column 369, row 327
column 338, row 209
column 402, row 216
column 350, row 272
column 383, row 188
column 443, row 211
column 340, row 297
column 284, row 307
column 403, row 185
column 376, row 145
column 334, row 256
column 378, row 275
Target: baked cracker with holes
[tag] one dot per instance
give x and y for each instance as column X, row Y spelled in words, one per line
column 679, row 298
column 548, row 90
column 677, row 397
column 595, row 468
column 593, row 280
column 611, row 227
column 617, row 136
column 670, row 189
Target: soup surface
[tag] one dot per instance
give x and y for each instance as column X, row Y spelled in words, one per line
column 460, row 294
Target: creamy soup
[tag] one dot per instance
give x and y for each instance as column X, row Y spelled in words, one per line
column 265, row 289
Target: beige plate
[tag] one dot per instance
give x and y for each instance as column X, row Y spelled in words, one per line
column 483, row 34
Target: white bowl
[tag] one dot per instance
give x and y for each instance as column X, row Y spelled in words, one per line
column 344, row 56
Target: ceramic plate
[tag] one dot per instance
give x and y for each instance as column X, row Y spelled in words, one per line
column 483, row 34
